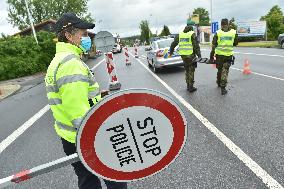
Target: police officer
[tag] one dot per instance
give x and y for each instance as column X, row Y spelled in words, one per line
column 222, row 49
column 72, row 90
column 188, row 49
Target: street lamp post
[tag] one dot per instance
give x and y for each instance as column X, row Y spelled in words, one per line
column 211, row 18
column 31, row 22
column 211, row 12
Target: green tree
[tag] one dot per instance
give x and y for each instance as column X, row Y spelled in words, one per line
column 145, row 31
column 203, row 16
column 165, row 31
column 44, row 10
column 275, row 22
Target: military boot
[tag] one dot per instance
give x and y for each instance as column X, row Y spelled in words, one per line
column 218, row 83
column 224, row 90
column 190, row 88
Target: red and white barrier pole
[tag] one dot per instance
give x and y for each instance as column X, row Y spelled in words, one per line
column 127, row 61
column 113, row 80
column 39, row 170
column 136, row 51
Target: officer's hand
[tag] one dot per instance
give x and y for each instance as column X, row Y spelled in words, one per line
column 104, row 93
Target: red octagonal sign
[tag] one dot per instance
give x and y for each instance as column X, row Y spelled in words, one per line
column 131, row 134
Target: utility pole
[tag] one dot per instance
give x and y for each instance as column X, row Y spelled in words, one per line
column 211, row 18
column 31, row 22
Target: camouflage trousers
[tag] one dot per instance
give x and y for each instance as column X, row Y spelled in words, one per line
column 189, row 67
column 222, row 74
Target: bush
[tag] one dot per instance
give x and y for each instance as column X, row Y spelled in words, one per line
column 21, row 56
column 249, row 38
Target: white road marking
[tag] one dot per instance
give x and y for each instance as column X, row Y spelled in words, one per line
column 260, row 74
column 95, row 66
column 11, row 138
column 251, row 164
column 256, row 54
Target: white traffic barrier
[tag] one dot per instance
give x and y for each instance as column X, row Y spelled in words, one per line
column 136, row 51
column 127, row 59
column 113, row 80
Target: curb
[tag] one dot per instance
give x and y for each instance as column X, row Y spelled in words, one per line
column 8, row 90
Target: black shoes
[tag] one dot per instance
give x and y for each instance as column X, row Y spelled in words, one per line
column 223, row 91
column 190, row 88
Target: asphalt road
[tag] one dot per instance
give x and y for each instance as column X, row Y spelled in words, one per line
column 251, row 116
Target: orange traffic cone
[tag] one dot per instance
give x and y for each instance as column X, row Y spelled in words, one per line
column 246, row 69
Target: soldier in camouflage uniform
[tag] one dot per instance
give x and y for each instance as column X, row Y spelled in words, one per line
column 222, row 49
column 188, row 49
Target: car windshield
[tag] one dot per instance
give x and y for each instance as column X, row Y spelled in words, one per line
column 165, row 43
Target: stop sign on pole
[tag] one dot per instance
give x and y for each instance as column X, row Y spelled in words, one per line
column 131, row 135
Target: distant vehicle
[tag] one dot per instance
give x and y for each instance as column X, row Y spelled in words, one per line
column 117, row 48
column 158, row 56
column 147, row 48
column 281, row 40
column 244, row 30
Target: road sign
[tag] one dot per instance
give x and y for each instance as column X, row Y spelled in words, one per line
column 131, row 134
column 214, row 27
column 104, row 41
column 127, row 136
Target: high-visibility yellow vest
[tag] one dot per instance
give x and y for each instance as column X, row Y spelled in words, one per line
column 185, row 43
column 225, row 42
column 69, row 85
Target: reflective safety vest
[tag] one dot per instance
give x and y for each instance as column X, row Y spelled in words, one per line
column 225, row 42
column 185, row 43
column 69, row 85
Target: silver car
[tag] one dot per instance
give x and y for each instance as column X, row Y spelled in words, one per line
column 281, row 40
column 158, row 56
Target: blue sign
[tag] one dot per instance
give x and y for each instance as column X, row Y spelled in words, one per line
column 214, row 27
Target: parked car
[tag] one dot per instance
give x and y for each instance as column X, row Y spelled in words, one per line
column 158, row 57
column 281, row 40
column 117, row 48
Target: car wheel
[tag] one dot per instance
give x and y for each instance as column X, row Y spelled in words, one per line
column 155, row 69
column 282, row 45
column 149, row 64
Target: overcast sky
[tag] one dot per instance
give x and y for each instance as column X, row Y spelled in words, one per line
column 123, row 16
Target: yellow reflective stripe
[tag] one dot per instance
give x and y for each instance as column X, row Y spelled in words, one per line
column 54, row 101
column 72, row 78
column 65, row 127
